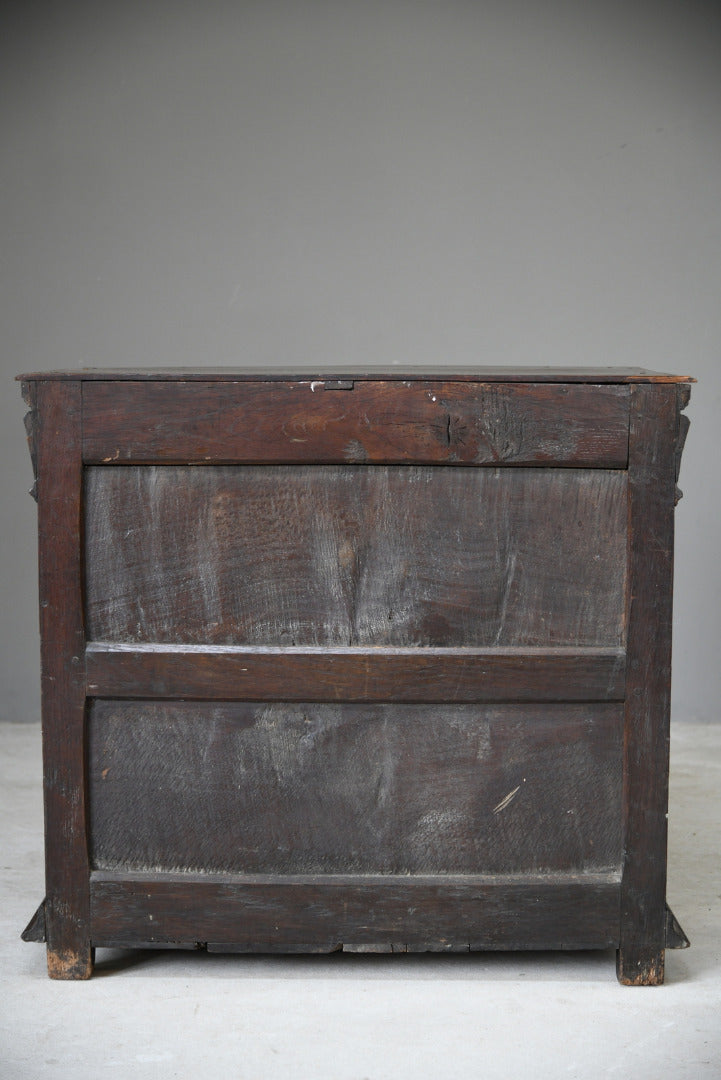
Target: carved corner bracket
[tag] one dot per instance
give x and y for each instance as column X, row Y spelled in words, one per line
column 29, row 392
column 683, row 397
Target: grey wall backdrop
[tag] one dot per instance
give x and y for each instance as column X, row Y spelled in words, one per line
column 435, row 182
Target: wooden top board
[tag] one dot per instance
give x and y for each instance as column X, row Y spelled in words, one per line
column 465, row 373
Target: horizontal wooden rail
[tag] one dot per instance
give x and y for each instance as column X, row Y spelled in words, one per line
column 355, row 674
column 347, row 422
column 258, row 914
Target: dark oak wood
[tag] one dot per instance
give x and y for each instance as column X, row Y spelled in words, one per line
column 57, row 434
column 261, row 914
column 655, row 433
column 398, row 372
column 372, row 661
column 319, row 788
column 365, row 422
column 35, row 929
column 356, row 674
column 30, row 397
column 364, row 555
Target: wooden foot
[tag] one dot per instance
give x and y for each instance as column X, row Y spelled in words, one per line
column 71, row 964
column 640, row 967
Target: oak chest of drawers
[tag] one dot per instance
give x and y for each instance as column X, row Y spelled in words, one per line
column 372, row 662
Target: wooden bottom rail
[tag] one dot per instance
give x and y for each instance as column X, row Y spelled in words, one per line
column 262, row 913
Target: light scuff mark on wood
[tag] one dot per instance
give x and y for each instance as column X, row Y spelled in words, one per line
column 508, row 799
column 355, row 453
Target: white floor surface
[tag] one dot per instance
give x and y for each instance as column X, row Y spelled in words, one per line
column 344, row 1017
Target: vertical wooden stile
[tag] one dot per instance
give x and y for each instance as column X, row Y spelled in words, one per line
column 63, row 678
column 652, row 444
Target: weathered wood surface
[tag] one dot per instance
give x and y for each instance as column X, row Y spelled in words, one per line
column 674, row 937
column 562, row 912
column 372, row 422
column 63, row 679
column 35, row 929
column 370, row 372
column 271, row 814
column 652, row 475
column 342, row 555
column 354, row 674
column 316, row 788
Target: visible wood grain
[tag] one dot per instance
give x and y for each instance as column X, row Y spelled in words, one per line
column 575, row 912
column 654, row 427
column 375, row 422
column 352, row 555
column 317, row 788
column 347, row 688
column 63, row 679
column 356, row 674
column 399, row 373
